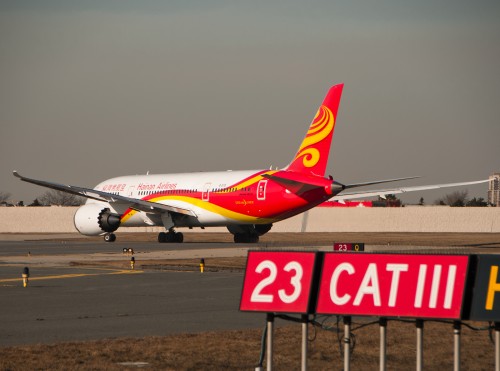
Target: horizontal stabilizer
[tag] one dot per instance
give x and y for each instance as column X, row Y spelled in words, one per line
column 384, row 192
column 347, row 186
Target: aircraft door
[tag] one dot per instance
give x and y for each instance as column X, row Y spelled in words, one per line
column 205, row 195
column 261, row 190
column 130, row 191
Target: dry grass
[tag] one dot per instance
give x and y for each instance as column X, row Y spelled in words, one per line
column 239, row 350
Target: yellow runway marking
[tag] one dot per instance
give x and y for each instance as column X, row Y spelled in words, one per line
column 74, row 275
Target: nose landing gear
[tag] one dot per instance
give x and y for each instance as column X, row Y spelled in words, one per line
column 110, row 237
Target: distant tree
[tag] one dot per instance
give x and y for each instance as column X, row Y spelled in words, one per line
column 479, row 202
column 4, row 196
column 59, row 198
column 390, row 200
column 456, row 199
column 35, row 203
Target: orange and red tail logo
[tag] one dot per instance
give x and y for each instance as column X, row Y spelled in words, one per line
column 312, row 156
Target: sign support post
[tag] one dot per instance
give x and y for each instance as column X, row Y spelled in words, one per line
column 456, row 345
column 420, row 344
column 497, row 346
column 281, row 282
column 305, row 321
column 270, row 338
column 347, row 343
column 383, row 343
column 436, row 286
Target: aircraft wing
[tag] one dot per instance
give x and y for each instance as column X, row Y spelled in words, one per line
column 132, row 203
column 384, row 192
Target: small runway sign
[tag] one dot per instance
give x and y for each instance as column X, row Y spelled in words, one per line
column 349, row 246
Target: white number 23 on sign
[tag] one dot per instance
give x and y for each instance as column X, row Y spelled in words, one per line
column 295, row 281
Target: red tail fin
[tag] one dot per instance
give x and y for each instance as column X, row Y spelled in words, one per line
column 312, row 156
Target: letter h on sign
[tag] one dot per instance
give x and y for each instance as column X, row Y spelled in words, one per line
column 486, row 292
column 493, row 287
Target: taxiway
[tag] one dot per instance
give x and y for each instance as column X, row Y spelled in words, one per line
column 71, row 303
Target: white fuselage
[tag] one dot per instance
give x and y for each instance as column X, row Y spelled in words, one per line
column 206, row 194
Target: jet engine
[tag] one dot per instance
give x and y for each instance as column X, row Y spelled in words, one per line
column 95, row 219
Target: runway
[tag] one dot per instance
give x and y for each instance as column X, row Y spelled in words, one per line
column 65, row 303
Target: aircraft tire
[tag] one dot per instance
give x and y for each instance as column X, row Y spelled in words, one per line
column 110, row 237
column 237, row 238
column 170, row 237
column 179, row 237
column 245, row 238
column 162, row 238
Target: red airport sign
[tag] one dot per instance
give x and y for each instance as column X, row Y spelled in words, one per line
column 278, row 282
column 390, row 285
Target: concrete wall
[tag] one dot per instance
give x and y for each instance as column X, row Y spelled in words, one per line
column 407, row 219
column 37, row 219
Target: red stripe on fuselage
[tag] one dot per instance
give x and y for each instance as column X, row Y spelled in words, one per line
column 243, row 198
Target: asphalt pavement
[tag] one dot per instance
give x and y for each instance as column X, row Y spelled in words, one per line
column 68, row 303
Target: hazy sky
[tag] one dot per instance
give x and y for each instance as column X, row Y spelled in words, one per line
column 95, row 89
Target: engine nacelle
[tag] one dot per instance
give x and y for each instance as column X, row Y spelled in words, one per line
column 95, row 219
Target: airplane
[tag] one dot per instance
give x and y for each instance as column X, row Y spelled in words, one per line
column 246, row 202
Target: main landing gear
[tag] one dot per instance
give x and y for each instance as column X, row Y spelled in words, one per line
column 110, row 237
column 246, row 238
column 170, row 236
